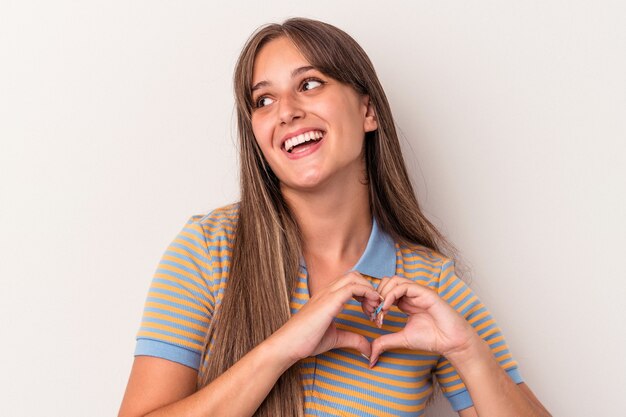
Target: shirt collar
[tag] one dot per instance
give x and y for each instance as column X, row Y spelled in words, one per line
column 379, row 258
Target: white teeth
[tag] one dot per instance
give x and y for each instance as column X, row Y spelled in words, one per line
column 301, row 138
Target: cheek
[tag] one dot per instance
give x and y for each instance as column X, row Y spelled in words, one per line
column 347, row 109
column 262, row 134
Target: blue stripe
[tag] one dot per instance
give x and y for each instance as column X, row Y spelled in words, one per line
column 301, row 290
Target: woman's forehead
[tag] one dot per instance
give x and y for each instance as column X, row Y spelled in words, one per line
column 278, row 58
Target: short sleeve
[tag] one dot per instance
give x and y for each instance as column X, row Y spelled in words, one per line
column 179, row 304
column 454, row 291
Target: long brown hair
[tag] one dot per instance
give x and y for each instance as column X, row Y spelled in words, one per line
column 267, row 244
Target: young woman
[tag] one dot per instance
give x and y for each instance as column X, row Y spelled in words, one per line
column 324, row 291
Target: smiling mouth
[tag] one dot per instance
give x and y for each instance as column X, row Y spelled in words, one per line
column 302, row 139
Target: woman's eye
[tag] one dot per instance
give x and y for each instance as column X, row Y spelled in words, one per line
column 310, row 84
column 263, row 101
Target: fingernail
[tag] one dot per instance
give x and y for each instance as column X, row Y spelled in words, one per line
column 372, row 364
column 379, row 320
column 381, row 297
column 365, row 356
column 378, row 309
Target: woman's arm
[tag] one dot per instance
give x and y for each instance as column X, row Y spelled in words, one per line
column 493, row 392
column 158, row 387
column 471, row 411
column 433, row 325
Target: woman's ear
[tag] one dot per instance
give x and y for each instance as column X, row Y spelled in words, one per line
column 370, row 123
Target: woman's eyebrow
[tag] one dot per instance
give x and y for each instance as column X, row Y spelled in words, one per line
column 294, row 74
column 300, row 70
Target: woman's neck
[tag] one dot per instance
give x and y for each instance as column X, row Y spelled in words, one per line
column 335, row 224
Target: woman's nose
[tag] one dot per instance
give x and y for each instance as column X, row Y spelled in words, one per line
column 289, row 109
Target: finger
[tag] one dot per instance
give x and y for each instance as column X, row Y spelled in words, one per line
column 369, row 300
column 358, row 289
column 368, row 306
column 349, row 340
column 390, row 284
column 386, row 342
column 387, row 285
column 352, row 277
column 381, row 285
column 410, row 294
column 394, row 292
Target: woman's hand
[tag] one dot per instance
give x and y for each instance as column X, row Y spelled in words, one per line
column 433, row 325
column 312, row 331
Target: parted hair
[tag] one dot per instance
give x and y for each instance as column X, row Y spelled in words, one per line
column 267, row 244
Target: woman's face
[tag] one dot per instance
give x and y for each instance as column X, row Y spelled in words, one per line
column 310, row 127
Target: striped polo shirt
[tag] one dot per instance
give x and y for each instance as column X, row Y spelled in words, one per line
column 189, row 284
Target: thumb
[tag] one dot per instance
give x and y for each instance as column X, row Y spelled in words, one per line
column 386, row 342
column 354, row 341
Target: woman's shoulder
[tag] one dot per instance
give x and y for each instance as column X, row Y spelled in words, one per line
column 425, row 264
column 422, row 256
column 220, row 222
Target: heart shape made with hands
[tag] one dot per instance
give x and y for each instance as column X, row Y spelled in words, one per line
column 432, row 324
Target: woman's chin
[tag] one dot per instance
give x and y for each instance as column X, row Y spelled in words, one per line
column 304, row 183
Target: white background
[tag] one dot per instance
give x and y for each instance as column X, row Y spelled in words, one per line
column 116, row 125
